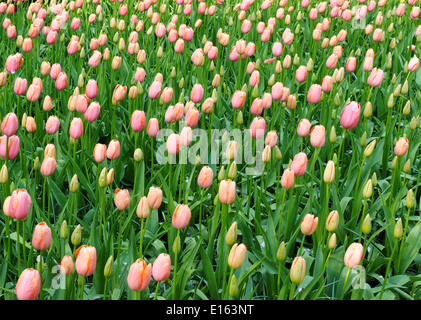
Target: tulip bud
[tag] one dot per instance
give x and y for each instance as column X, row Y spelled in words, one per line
column 332, row 135
column 398, row 230
column 368, row 110
column 363, row 139
column 407, row 166
column 4, row 174
column 394, row 163
column 138, row 155
column 231, row 236
column 109, row 266
column 329, row 173
column 407, row 109
column 278, row 153
column 332, row 241
column 410, row 199
column 368, row 189
column 366, row 228
column 332, row 221
column 76, row 237
column 64, row 232
column 74, row 184
column 237, row 255
column 390, row 101
column 369, row 149
column 233, row 289
column 240, row 117
column 110, row 177
column 221, row 175
column 282, row 252
column 176, row 247
column 266, row 155
column 232, row 171
column 102, row 181
column 37, row 164
column 298, row 270
column 405, row 87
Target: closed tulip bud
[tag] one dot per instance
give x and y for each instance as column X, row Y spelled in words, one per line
column 74, row 184
column 102, row 181
column 64, row 231
column 121, row 199
column 176, row 247
column 410, row 201
column 368, row 110
column 221, row 174
column 41, row 239
column 369, row 149
column 154, row 198
column 298, row 270
column 363, row 139
column 37, row 164
column 109, row 267
column 398, row 230
column 336, row 100
column 76, row 237
column 4, row 174
column 329, row 173
column 233, row 286
column 138, row 155
column 266, row 155
column 237, row 255
column 368, row 189
column 232, row 171
column 332, row 221
column 332, row 135
column 366, row 228
column 407, row 166
column 281, row 253
column 401, row 147
column 278, row 153
column 407, row 109
column 231, row 236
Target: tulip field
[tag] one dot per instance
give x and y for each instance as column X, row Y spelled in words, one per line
column 210, row 150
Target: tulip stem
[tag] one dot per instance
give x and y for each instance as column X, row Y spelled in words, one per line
column 229, row 283
column 403, row 239
column 156, row 290
column 200, row 213
column 82, row 285
column 141, row 238
column 346, row 280
column 362, row 220
column 119, row 246
column 105, row 289
column 311, row 182
column 388, row 268
column 301, row 246
column 18, row 243
column 289, row 210
column 291, row 293
column 175, row 265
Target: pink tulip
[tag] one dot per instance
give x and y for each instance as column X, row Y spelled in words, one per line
column 52, row 124
column 196, row 93
column 91, row 89
column 258, row 127
column 204, row 180
column 19, row 204
column 299, row 164
column 317, row 136
column 161, row 268
column 181, row 216
column 155, row 90
column 12, row 147
column 376, row 77
column 139, row 275
column 41, row 239
column 350, row 115
column 314, row 93
column 76, row 128
column 28, row 285
column 113, row 149
column 173, row 143
column 9, row 124
column 85, row 260
column 153, row 127
column 48, row 166
column 303, row 128
column 92, row 112
column 288, row 178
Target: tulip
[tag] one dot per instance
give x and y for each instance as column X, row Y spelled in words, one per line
column 350, row 115
column 67, row 265
column 155, row 90
column 9, row 124
column 121, row 199
column 113, row 150
column 85, row 260
column 138, row 120
column 401, row 147
column 413, row 64
column 226, row 192
column 41, row 239
column 139, row 275
column 119, row 93
column 28, row 285
column 153, row 127
column 76, row 128
column 301, row 74
column 314, row 93
column 299, row 164
column 19, row 204
column 20, row 86
column 303, row 128
column 142, row 210
column 271, row 139
column 376, row 77
column 329, row 173
column 173, row 144
column 161, row 267
column 237, row 255
column 48, row 166
column 196, row 93
column 309, row 224
column 204, row 180
column 332, row 221
column 181, row 216
column 91, row 89
column 238, row 99
column 258, row 128
column 298, row 270
column 61, row 81
column 92, row 112
column 12, row 147
column 52, row 124
column 317, row 136
column 354, row 255
column 154, row 197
